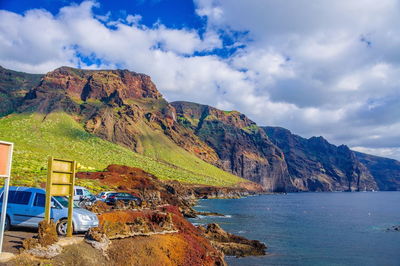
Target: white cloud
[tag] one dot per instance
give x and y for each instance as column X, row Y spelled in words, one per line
column 326, row 68
column 383, row 152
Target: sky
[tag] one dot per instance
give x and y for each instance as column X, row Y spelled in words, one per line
column 317, row 68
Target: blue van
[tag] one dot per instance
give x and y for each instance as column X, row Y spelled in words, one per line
column 25, row 208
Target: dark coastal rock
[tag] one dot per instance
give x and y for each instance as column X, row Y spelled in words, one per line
column 210, row 214
column 395, row 228
column 316, row 165
column 232, row 245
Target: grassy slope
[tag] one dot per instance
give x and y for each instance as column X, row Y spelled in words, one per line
column 160, row 147
column 59, row 135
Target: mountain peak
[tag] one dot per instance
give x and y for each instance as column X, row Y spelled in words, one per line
column 100, row 84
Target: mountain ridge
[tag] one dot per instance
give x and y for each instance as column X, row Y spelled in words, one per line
column 125, row 108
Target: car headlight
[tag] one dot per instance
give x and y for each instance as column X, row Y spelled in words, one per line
column 85, row 217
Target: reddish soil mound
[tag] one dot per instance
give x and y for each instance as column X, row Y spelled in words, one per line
column 124, row 178
column 140, row 183
column 187, row 247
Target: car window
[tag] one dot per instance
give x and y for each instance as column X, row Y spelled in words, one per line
column 87, row 193
column 40, row 200
column 19, row 197
column 64, row 201
column 79, row 192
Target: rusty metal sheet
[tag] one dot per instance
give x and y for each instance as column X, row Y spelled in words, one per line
column 5, row 159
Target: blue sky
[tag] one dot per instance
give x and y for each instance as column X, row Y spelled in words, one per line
column 171, row 13
column 326, row 68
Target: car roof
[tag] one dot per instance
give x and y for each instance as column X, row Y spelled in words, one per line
column 27, row 189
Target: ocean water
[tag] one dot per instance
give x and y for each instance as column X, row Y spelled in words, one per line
column 313, row 228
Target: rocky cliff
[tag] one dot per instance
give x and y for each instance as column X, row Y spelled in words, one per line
column 242, row 147
column 386, row 172
column 316, row 165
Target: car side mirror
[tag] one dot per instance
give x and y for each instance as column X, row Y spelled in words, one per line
column 53, row 205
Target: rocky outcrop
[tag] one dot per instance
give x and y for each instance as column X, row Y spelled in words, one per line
column 242, row 147
column 155, row 237
column 395, row 228
column 102, row 85
column 232, row 245
column 316, row 165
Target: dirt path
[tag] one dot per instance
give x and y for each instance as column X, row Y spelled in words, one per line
column 14, row 237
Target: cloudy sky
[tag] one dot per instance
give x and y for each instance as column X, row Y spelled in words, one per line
column 329, row 68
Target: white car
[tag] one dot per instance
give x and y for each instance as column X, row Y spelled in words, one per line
column 103, row 195
column 80, row 192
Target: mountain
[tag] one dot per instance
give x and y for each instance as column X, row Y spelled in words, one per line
column 102, row 117
column 316, row 165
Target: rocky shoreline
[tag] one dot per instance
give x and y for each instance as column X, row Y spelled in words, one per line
column 395, row 228
column 230, row 244
column 158, row 227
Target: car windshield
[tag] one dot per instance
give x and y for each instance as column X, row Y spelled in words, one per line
column 64, row 201
column 87, row 193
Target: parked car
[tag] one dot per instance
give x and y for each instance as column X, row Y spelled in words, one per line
column 26, row 206
column 81, row 192
column 104, row 195
column 125, row 197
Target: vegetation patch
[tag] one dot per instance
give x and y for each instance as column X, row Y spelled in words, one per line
column 37, row 136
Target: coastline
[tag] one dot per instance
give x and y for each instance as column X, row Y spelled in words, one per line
column 299, row 227
column 158, row 224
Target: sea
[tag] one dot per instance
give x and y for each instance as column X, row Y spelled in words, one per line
column 327, row 228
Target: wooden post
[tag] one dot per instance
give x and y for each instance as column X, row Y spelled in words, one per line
column 71, row 201
column 48, row 190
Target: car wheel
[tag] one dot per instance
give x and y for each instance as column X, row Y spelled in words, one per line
column 62, row 226
column 7, row 224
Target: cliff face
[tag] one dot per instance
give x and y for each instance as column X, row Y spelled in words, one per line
column 316, row 165
column 386, row 171
column 242, row 147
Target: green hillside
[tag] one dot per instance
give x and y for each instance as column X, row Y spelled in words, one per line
column 37, row 136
